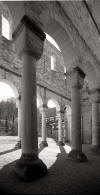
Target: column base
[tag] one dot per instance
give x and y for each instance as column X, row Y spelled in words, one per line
column 96, row 149
column 30, row 167
column 18, row 145
column 77, row 155
column 44, row 143
column 60, row 143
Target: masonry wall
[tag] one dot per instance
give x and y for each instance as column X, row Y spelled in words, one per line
column 52, row 82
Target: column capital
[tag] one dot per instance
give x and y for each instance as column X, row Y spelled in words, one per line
column 29, row 38
column 95, row 95
column 77, row 77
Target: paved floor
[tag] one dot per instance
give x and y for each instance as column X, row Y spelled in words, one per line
column 64, row 177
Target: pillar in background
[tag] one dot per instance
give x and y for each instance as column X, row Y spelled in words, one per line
column 60, row 129
column 65, row 126
column 18, row 144
column 95, row 99
column 38, row 122
column 66, row 130
column 77, row 81
column 43, row 111
column 29, row 39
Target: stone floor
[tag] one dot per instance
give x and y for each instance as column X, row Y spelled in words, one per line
column 64, row 177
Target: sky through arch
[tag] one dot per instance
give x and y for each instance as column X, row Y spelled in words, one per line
column 52, row 41
column 6, row 91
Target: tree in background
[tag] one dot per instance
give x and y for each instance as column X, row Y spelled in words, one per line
column 8, row 112
column 6, row 125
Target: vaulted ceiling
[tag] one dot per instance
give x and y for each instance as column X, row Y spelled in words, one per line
column 85, row 16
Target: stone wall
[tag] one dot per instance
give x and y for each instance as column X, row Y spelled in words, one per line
column 52, row 82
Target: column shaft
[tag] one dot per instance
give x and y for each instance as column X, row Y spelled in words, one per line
column 66, row 130
column 19, row 121
column 43, row 127
column 29, row 108
column 95, row 124
column 29, row 39
column 76, row 120
column 18, row 144
column 77, row 82
column 60, row 130
column 44, row 132
column 38, row 122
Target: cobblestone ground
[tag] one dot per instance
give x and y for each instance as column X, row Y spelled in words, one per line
column 64, row 177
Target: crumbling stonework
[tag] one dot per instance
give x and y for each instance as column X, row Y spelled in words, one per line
column 74, row 53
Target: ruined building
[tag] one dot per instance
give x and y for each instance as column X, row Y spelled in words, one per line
column 39, row 72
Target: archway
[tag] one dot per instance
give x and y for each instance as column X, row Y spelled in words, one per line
column 58, row 33
column 60, row 30
column 52, row 120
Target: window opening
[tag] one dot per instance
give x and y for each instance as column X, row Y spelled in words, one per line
column 5, row 28
column 53, row 63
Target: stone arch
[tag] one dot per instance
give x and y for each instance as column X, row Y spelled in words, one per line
column 63, row 41
column 56, row 104
column 55, row 27
column 60, row 29
column 4, row 10
column 64, row 34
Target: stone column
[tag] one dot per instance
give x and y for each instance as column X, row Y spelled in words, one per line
column 43, row 110
column 60, row 130
column 77, row 78
column 65, row 126
column 29, row 42
column 66, row 130
column 18, row 144
column 95, row 99
column 0, row 24
column 38, row 122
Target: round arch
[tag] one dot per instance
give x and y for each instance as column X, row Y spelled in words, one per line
column 56, row 103
column 61, row 33
column 58, row 33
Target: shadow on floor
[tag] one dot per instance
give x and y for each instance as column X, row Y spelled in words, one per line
column 41, row 147
column 65, row 177
column 14, row 149
column 8, row 151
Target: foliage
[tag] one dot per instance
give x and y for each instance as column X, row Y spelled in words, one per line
column 8, row 114
column 8, row 109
